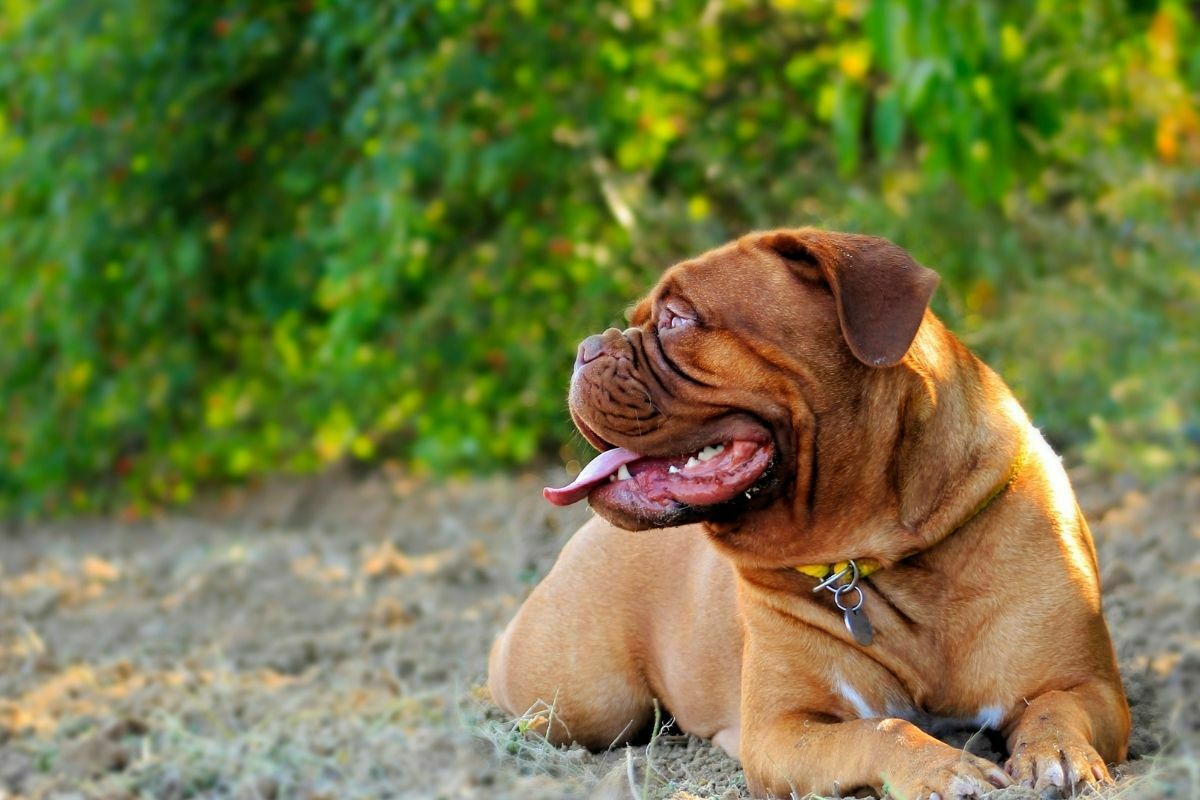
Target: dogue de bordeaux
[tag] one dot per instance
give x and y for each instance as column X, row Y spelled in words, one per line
column 858, row 537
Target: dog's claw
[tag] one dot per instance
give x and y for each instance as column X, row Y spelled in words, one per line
column 1054, row 770
column 949, row 775
column 998, row 778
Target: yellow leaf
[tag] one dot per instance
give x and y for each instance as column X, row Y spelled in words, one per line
column 641, row 9
column 855, row 60
column 435, row 211
column 79, row 376
column 1166, row 138
column 1162, row 36
column 1012, row 47
column 334, row 435
column 362, row 447
column 241, row 462
column 97, row 569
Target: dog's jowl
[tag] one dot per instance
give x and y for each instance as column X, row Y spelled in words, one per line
column 822, row 523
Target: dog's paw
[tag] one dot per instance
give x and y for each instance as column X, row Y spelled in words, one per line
column 1050, row 765
column 947, row 774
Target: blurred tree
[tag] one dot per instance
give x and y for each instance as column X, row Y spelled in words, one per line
column 245, row 237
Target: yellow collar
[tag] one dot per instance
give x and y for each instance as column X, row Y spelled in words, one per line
column 866, row 566
column 822, row 571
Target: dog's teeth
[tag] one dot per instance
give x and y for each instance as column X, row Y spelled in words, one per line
column 672, row 469
column 691, row 462
column 612, row 478
column 623, row 473
column 710, row 452
column 747, row 495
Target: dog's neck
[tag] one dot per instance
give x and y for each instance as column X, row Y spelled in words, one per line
column 885, row 481
column 867, row 566
column 963, row 435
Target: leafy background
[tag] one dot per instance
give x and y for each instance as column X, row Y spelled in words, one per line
column 240, row 238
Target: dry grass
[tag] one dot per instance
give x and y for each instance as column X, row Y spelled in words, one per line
column 329, row 640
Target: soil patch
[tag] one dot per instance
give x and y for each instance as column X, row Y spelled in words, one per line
column 328, row 639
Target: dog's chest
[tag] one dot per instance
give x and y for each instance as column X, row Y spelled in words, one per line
column 869, row 700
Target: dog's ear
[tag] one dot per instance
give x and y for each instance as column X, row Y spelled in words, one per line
column 880, row 291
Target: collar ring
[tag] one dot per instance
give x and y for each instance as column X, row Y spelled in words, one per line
column 846, row 589
column 829, row 582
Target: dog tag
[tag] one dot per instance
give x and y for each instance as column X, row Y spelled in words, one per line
column 859, row 626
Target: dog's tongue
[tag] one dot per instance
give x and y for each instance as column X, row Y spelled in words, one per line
column 597, row 470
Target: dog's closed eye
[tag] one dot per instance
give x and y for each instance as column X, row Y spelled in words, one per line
column 675, row 313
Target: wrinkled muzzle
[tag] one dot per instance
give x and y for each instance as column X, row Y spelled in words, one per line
column 670, row 469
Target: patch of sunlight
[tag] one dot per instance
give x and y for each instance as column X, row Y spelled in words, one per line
column 312, row 568
column 83, row 690
column 385, row 560
column 67, row 586
column 1076, row 549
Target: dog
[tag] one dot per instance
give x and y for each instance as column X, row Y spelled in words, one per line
column 850, row 534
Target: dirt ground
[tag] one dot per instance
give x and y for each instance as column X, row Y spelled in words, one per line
column 328, row 639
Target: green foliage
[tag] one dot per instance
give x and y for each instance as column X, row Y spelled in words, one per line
column 245, row 237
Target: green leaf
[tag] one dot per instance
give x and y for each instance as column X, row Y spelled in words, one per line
column 847, row 124
column 888, row 123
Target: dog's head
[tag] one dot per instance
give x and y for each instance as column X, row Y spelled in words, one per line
column 706, row 408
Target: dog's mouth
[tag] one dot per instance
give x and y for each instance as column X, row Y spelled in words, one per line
column 643, row 491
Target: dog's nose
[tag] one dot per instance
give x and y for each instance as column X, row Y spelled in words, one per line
column 590, row 349
column 595, row 346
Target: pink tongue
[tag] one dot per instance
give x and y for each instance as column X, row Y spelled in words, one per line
column 597, row 470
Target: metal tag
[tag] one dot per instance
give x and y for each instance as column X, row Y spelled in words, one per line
column 859, row 626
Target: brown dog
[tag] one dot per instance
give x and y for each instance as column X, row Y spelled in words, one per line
column 792, row 393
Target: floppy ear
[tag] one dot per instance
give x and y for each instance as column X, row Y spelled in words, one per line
column 881, row 292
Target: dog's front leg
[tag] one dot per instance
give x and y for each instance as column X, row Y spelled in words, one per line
column 799, row 737
column 1063, row 738
column 797, row 753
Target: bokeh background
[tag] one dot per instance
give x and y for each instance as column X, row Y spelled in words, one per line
column 241, row 238
column 279, row 281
